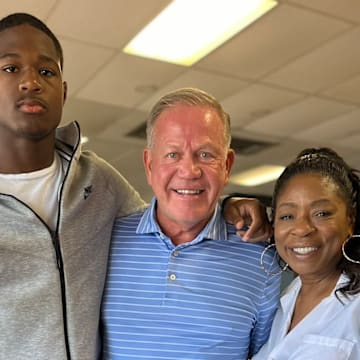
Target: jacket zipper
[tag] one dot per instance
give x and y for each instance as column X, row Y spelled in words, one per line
column 56, row 244
column 60, row 266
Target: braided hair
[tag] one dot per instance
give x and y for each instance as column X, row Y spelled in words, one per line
column 329, row 164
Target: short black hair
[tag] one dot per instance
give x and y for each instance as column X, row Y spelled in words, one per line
column 17, row 19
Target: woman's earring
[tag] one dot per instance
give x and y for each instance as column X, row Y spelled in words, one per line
column 276, row 255
column 347, row 243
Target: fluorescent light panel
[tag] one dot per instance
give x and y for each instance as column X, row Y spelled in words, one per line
column 257, row 176
column 84, row 139
column 187, row 30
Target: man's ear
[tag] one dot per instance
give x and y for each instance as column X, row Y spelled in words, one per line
column 147, row 164
column 229, row 162
column 65, row 87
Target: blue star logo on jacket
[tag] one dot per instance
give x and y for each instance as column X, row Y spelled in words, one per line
column 87, row 191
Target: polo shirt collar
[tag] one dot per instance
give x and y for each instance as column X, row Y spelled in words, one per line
column 214, row 230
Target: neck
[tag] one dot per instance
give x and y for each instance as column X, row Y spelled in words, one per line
column 312, row 292
column 320, row 286
column 181, row 233
column 21, row 158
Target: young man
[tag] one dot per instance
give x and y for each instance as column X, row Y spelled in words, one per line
column 57, row 206
column 180, row 283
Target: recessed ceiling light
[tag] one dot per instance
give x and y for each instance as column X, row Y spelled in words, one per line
column 187, row 30
column 257, row 176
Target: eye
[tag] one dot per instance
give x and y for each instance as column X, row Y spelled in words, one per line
column 171, row 155
column 205, row 155
column 47, row 72
column 10, row 69
column 285, row 217
column 322, row 213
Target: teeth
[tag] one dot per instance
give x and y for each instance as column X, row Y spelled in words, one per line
column 304, row 250
column 188, row 192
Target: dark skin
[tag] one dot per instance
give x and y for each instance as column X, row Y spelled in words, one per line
column 31, row 99
column 249, row 217
column 312, row 220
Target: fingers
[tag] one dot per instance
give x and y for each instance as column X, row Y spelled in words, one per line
column 256, row 232
column 249, row 217
column 231, row 210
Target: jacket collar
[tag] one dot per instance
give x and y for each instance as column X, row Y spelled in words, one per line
column 68, row 142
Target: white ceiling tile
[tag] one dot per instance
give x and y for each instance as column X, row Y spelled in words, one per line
column 256, row 101
column 352, row 142
column 38, row 8
column 336, row 61
column 275, row 39
column 118, row 150
column 345, row 9
column 296, row 117
column 217, row 85
column 333, row 129
column 106, row 22
column 93, row 117
column 348, row 90
column 124, row 124
column 353, row 159
column 120, row 82
column 89, row 59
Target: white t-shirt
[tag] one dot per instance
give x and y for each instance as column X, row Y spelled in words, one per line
column 331, row 331
column 38, row 189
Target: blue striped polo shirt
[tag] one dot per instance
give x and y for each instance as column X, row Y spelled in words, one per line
column 206, row 299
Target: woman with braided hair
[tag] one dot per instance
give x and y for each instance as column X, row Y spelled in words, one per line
column 316, row 219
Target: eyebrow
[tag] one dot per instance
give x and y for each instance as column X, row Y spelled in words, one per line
column 9, row 55
column 18, row 56
column 294, row 204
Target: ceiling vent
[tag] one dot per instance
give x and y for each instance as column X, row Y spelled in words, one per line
column 248, row 146
column 139, row 132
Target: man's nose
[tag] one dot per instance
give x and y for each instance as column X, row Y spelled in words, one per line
column 30, row 82
column 190, row 168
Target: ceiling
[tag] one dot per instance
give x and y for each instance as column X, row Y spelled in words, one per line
column 291, row 79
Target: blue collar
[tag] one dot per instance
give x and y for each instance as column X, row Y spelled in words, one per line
column 215, row 229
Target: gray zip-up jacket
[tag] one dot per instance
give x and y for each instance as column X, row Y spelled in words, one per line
column 51, row 283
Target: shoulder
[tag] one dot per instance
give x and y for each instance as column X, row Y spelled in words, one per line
column 130, row 220
column 127, row 198
column 126, row 227
column 134, row 217
column 90, row 158
column 256, row 258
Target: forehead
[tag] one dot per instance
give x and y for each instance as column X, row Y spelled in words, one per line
column 311, row 185
column 189, row 116
column 25, row 38
column 191, row 123
column 179, row 107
